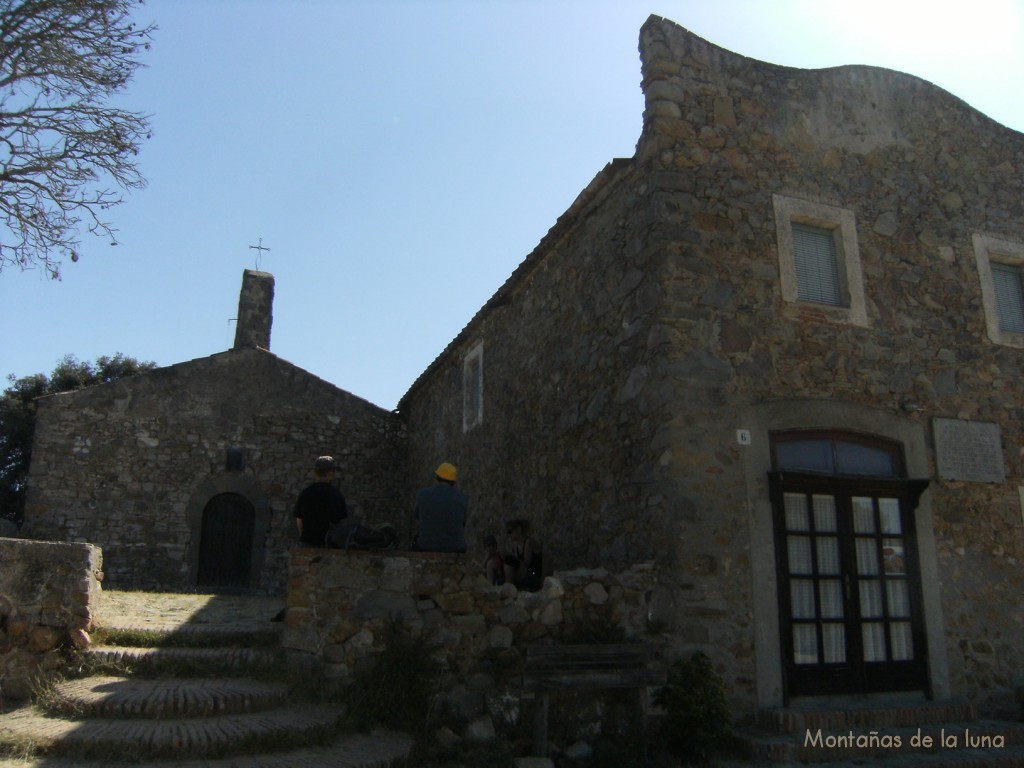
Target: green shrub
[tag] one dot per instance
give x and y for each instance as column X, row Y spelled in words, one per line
column 398, row 688
column 696, row 713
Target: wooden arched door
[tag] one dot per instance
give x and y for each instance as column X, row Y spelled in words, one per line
column 225, row 545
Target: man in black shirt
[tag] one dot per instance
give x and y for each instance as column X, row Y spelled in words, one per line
column 320, row 505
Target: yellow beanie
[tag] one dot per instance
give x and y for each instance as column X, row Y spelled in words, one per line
column 447, row 472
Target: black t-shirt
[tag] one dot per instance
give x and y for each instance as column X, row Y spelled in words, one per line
column 319, row 505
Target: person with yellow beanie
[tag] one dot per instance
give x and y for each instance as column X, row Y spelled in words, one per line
column 441, row 512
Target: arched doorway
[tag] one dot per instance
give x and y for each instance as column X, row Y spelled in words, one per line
column 226, row 544
column 228, row 518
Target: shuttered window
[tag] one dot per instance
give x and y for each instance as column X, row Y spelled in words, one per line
column 817, row 268
column 1006, row 279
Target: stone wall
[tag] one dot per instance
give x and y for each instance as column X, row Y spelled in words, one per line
column 48, row 593
column 339, row 603
column 564, row 347
column 921, row 173
column 130, row 465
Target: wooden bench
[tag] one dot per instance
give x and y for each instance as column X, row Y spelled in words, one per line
column 575, row 667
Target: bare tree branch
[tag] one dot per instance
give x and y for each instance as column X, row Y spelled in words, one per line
column 61, row 61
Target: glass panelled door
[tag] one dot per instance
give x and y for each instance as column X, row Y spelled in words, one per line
column 849, row 594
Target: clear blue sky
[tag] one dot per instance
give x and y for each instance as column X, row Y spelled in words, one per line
column 401, row 158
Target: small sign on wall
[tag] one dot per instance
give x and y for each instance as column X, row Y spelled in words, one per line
column 969, row 450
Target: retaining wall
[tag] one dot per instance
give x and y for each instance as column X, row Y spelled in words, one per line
column 48, row 595
column 340, row 602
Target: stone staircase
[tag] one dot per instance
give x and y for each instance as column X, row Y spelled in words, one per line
column 913, row 735
column 188, row 681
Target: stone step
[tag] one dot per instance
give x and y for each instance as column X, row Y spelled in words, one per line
column 791, row 720
column 946, row 742
column 122, row 697
column 378, row 749
column 168, row 611
column 226, row 658
column 170, row 738
column 1009, row 757
column 198, row 634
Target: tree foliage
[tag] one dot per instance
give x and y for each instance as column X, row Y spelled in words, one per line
column 66, row 155
column 18, row 416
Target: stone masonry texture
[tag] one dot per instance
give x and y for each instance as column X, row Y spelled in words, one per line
column 48, row 597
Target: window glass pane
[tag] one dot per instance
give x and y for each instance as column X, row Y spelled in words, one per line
column 874, row 641
column 802, row 597
column 858, row 459
column 890, row 512
column 807, row 455
column 867, row 557
column 871, row 599
column 1006, row 280
column 799, row 554
column 863, row 515
column 902, row 641
column 899, row 600
column 831, row 591
column 476, row 386
column 892, row 552
column 817, row 269
column 828, row 555
column 834, row 641
column 796, row 512
column 805, row 644
column 824, row 513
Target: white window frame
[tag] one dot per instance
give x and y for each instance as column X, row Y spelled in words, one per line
column 842, row 223
column 989, row 249
column 473, row 380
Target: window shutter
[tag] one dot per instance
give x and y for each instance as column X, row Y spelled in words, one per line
column 817, row 270
column 1009, row 296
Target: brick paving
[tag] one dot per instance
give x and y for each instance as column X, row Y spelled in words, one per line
column 166, row 735
column 125, row 697
column 377, row 749
column 188, row 722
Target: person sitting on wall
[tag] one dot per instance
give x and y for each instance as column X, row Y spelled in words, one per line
column 441, row 512
column 320, row 505
column 523, row 562
column 494, row 566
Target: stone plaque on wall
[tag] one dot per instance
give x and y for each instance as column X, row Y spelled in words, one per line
column 969, row 450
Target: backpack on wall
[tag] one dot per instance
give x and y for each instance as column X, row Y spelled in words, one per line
column 351, row 534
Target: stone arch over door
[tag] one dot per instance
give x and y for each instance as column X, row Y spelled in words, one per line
column 230, row 495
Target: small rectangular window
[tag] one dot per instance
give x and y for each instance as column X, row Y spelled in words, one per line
column 1006, row 279
column 817, row 272
column 819, row 259
column 473, row 388
column 1001, row 272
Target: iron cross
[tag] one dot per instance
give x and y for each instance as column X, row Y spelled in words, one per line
column 259, row 252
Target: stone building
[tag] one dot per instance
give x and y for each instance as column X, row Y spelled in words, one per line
column 777, row 352
column 187, row 475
